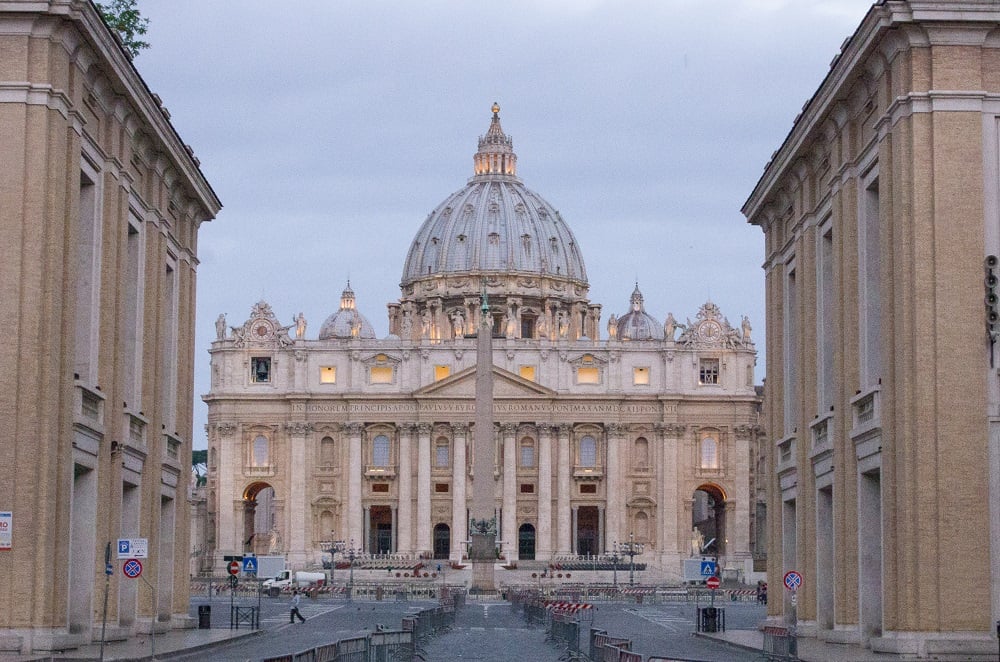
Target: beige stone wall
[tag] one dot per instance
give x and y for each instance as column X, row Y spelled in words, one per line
column 71, row 97
column 906, row 97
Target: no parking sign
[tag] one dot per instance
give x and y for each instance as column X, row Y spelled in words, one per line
column 132, row 568
column 793, row 580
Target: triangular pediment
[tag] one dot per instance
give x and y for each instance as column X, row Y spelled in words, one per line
column 505, row 385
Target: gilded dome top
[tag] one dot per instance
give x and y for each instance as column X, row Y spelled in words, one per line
column 494, row 224
column 346, row 322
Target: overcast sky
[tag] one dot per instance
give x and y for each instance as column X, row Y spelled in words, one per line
column 331, row 129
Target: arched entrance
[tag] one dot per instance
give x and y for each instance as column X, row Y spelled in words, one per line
column 526, row 542
column 708, row 519
column 260, row 530
column 442, row 541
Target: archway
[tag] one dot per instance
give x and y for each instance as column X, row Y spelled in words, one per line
column 708, row 519
column 260, row 530
column 442, row 541
column 526, row 542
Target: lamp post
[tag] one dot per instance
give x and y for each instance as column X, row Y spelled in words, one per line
column 352, row 554
column 333, row 547
column 631, row 549
column 614, row 564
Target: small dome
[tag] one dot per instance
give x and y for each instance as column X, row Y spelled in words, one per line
column 346, row 322
column 637, row 324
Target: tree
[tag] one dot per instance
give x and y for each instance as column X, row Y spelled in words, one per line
column 199, row 457
column 124, row 19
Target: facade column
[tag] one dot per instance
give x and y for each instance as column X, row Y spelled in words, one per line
column 366, row 525
column 737, row 529
column 508, row 433
column 298, row 536
column 228, row 538
column 459, row 473
column 616, row 522
column 575, row 542
column 423, row 488
column 394, row 538
column 562, row 508
column 674, row 531
column 601, row 537
column 543, row 533
column 354, row 472
column 404, row 517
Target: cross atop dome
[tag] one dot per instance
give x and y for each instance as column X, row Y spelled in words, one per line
column 496, row 150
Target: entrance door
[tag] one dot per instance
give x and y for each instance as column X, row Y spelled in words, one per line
column 586, row 530
column 380, row 538
column 442, row 541
column 526, row 542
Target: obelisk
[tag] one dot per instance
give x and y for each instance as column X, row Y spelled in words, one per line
column 483, row 523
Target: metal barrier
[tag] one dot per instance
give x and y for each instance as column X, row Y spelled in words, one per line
column 780, row 644
column 564, row 631
column 606, row 648
column 711, row 619
column 375, row 647
column 244, row 616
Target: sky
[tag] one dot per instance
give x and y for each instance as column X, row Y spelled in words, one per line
column 330, row 130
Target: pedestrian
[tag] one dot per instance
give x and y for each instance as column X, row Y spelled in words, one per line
column 295, row 607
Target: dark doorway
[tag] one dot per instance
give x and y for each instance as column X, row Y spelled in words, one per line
column 587, row 539
column 442, row 541
column 526, row 542
column 708, row 518
column 380, row 530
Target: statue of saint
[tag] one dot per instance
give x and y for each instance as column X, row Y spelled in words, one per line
column 669, row 326
column 612, row 327
column 697, row 541
column 510, row 326
column 274, row 543
column 425, row 324
column 746, row 330
column 543, row 326
column 220, row 327
column 300, row 326
column 563, row 323
column 406, row 326
column 458, row 323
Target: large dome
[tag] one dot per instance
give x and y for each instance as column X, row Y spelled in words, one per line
column 346, row 322
column 494, row 224
column 637, row 324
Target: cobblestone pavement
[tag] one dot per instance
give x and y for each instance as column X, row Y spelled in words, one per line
column 490, row 632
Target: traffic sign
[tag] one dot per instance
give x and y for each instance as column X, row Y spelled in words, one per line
column 793, row 580
column 713, row 583
column 708, row 568
column 250, row 565
column 108, row 570
column 234, row 568
column 133, row 548
column 132, row 568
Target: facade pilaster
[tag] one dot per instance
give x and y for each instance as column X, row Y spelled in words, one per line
column 355, row 531
column 508, row 432
column 423, row 488
column 459, row 472
column 229, row 526
column 563, row 512
column 674, row 540
column 543, row 533
column 404, row 531
column 298, row 533
column 616, row 517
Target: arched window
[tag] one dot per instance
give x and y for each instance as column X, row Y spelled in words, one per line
column 527, row 452
column 327, row 452
column 588, row 452
column 260, row 451
column 441, row 459
column 380, row 451
column 641, row 453
column 709, row 453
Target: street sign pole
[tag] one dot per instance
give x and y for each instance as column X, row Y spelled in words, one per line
column 107, row 582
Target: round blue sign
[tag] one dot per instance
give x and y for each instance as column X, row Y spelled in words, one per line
column 132, row 568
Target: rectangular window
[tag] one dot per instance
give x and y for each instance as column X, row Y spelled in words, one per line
column 441, row 371
column 328, row 374
column 87, row 277
column 527, row 455
column 585, row 375
column 527, row 372
column 588, row 488
column 708, row 371
column 527, row 488
column 441, row 454
column 132, row 300
column 869, row 283
column 260, row 369
column 380, row 451
column 380, row 374
column 441, row 488
column 380, row 487
column 825, row 328
column 640, row 376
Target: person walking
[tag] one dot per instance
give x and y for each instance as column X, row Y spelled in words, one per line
column 295, row 607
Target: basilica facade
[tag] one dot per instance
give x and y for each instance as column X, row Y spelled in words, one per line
column 646, row 434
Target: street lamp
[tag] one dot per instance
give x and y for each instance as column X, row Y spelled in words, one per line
column 614, row 564
column 333, row 547
column 631, row 549
column 352, row 554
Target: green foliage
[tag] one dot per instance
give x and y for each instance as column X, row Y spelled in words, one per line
column 124, row 18
column 199, row 457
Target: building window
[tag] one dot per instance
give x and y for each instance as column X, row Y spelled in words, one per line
column 588, row 375
column 441, row 488
column 588, row 452
column 441, row 371
column 327, row 452
column 588, row 488
column 640, row 376
column 708, row 371
column 328, row 374
column 527, row 488
column 380, row 374
column 527, row 326
column 380, row 451
column 527, row 453
column 260, row 369
column 709, row 453
column 260, row 451
column 380, row 487
column 641, row 454
column 527, row 372
column 441, row 453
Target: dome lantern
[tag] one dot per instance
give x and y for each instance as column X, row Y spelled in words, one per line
column 496, row 150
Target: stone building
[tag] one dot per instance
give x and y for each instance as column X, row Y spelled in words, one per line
column 100, row 206
column 881, row 217
column 367, row 440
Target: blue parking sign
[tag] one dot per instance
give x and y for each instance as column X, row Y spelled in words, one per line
column 708, row 568
column 250, row 565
